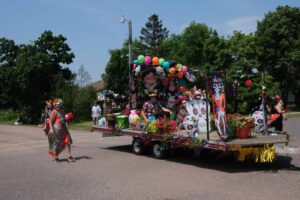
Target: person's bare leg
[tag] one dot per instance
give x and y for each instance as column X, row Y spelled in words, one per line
column 69, row 150
column 70, row 158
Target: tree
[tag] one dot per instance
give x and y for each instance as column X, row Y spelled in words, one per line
column 244, row 53
column 116, row 76
column 278, row 34
column 153, row 34
column 8, row 89
column 191, row 44
column 33, row 72
column 83, row 77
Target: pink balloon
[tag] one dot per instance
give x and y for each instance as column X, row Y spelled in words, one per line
column 184, row 69
column 148, row 60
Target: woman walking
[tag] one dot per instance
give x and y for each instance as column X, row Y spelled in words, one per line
column 59, row 135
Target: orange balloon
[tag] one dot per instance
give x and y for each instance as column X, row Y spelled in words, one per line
column 155, row 60
column 179, row 74
column 177, row 67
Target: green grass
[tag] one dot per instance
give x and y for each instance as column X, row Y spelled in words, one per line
column 8, row 116
column 84, row 125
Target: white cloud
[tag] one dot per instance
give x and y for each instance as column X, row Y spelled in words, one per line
column 243, row 24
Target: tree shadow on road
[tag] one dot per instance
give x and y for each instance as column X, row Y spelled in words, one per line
column 221, row 162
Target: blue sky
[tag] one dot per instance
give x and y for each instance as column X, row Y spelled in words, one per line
column 92, row 27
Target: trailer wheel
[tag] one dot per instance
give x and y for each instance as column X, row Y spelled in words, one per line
column 157, row 150
column 137, row 146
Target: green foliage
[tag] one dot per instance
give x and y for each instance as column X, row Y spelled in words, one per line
column 8, row 115
column 78, row 100
column 116, row 72
column 279, row 36
column 33, row 72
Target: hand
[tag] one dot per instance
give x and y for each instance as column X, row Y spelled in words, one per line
column 51, row 131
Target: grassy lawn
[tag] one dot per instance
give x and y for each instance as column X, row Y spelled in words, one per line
column 84, row 125
column 8, row 117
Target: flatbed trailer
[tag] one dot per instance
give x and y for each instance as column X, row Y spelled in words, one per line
column 259, row 147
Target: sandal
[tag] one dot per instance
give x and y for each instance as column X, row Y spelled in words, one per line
column 71, row 159
column 56, row 160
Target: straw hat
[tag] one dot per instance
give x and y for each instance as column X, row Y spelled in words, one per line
column 152, row 95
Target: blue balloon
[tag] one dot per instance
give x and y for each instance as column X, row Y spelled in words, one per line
column 151, row 118
column 166, row 65
column 135, row 61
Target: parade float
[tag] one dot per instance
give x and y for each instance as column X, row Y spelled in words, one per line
column 190, row 123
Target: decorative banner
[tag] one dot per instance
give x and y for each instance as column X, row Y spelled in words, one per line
column 219, row 105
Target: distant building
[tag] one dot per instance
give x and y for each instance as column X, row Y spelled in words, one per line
column 99, row 86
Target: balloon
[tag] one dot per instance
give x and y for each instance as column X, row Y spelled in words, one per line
column 184, row 69
column 69, row 116
column 248, row 83
column 135, row 61
column 147, row 60
column 166, row 65
column 180, row 74
column 161, row 61
column 141, row 59
column 172, row 70
column 182, row 89
column 155, row 60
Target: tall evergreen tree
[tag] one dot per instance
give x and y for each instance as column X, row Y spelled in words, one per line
column 153, row 34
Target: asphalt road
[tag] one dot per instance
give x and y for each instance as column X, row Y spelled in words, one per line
column 105, row 168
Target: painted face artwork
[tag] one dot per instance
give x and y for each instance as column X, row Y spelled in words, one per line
column 172, row 87
column 150, row 82
column 190, row 125
column 259, row 121
column 161, row 73
column 218, row 87
column 171, row 102
column 190, row 76
column 219, row 106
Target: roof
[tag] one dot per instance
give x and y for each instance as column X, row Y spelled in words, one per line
column 99, row 85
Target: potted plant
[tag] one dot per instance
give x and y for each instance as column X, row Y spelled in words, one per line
column 240, row 125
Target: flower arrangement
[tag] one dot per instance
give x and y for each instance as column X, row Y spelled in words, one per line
column 239, row 121
column 240, row 126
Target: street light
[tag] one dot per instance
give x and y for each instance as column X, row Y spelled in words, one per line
column 123, row 20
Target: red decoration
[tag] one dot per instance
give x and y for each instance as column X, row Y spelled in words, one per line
column 69, row 117
column 182, row 89
column 180, row 75
column 248, row 83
